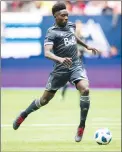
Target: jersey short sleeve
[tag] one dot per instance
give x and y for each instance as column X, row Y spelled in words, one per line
column 50, row 37
column 72, row 27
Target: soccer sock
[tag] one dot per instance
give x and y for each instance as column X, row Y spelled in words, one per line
column 64, row 90
column 35, row 105
column 84, row 105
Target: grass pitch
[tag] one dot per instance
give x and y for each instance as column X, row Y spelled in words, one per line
column 53, row 127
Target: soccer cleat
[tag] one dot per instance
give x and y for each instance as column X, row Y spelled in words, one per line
column 79, row 134
column 19, row 120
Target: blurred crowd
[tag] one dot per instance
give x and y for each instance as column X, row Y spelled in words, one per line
column 75, row 7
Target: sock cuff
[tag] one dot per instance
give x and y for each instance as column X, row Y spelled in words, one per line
column 37, row 102
column 85, row 98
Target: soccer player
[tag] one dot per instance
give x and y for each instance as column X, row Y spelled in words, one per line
column 61, row 47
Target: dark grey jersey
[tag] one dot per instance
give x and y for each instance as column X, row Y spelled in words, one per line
column 64, row 41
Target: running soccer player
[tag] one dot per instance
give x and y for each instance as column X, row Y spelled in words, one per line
column 61, row 47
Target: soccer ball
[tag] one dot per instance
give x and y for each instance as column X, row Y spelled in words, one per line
column 103, row 136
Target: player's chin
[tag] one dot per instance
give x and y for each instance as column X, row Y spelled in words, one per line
column 64, row 23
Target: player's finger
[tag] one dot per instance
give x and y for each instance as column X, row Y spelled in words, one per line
column 69, row 60
column 95, row 52
column 98, row 52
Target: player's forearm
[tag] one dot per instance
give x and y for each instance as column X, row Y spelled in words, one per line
column 81, row 42
column 52, row 56
column 48, row 54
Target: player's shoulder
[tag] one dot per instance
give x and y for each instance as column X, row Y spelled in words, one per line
column 51, row 29
column 71, row 24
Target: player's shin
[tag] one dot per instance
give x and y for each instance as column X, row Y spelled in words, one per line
column 84, row 106
column 35, row 105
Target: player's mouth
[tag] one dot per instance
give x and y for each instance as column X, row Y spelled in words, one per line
column 65, row 22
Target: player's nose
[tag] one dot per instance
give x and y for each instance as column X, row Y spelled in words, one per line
column 66, row 18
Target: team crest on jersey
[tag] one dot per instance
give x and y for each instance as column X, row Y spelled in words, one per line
column 72, row 30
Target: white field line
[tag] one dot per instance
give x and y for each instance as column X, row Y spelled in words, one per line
column 55, row 125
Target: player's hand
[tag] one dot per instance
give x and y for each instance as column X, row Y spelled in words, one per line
column 67, row 62
column 94, row 51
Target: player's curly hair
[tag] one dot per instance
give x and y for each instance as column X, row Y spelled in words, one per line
column 57, row 7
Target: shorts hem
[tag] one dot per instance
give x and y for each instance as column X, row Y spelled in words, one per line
column 79, row 79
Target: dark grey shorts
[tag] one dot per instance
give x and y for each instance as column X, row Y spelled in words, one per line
column 58, row 79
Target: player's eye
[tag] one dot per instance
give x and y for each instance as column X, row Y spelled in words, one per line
column 63, row 15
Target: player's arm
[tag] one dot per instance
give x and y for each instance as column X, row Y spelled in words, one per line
column 48, row 54
column 79, row 41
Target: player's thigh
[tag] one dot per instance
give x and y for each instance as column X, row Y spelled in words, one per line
column 79, row 73
column 56, row 81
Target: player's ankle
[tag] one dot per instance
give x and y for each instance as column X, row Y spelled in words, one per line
column 24, row 114
column 82, row 124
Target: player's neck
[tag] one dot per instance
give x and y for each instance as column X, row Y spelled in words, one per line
column 57, row 25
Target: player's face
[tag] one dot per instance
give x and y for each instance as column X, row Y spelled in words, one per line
column 62, row 18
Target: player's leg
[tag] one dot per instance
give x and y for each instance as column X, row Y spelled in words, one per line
column 83, row 87
column 80, row 79
column 55, row 82
column 35, row 105
column 64, row 89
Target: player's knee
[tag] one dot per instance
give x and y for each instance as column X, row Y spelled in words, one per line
column 85, row 91
column 45, row 100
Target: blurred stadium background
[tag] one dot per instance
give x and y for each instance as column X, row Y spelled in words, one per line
column 25, row 72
